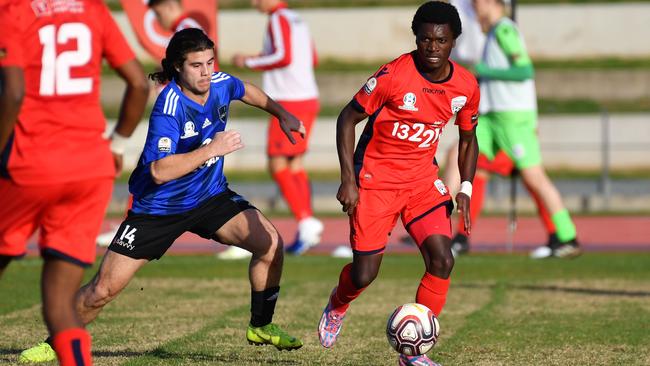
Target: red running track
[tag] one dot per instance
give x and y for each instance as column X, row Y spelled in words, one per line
column 490, row 234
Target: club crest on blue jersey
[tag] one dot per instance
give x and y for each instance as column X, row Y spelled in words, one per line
column 223, row 113
column 189, row 130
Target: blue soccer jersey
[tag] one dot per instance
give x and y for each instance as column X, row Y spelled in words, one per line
column 180, row 125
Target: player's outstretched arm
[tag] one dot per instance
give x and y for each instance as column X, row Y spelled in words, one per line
column 11, row 98
column 288, row 122
column 177, row 165
column 348, row 194
column 467, row 154
column 131, row 108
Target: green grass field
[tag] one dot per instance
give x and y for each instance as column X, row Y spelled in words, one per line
column 501, row 310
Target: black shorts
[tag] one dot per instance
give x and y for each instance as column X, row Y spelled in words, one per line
column 143, row 236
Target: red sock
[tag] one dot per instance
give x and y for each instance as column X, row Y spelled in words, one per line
column 72, row 347
column 346, row 290
column 541, row 209
column 432, row 292
column 475, row 204
column 302, row 183
column 290, row 191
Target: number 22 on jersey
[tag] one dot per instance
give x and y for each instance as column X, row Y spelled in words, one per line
column 55, row 71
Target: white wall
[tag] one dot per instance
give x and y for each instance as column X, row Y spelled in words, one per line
column 551, row 31
column 567, row 141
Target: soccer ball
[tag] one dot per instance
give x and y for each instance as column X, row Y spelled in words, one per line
column 412, row 329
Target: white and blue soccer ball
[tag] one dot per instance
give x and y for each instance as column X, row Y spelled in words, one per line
column 412, row 329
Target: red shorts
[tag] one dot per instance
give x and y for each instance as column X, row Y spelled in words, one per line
column 69, row 216
column 278, row 144
column 501, row 164
column 425, row 211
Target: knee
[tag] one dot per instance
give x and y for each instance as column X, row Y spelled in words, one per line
column 273, row 250
column 277, row 164
column 441, row 265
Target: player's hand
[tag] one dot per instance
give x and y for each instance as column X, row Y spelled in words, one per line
column 462, row 202
column 118, row 160
column 239, row 60
column 348, row 195
column 225, row 142
column 289, row 123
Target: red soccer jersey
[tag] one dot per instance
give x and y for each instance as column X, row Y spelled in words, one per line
column 407, row 114
column 60, row 45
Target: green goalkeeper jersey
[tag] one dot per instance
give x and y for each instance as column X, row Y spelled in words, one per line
column 506, row 72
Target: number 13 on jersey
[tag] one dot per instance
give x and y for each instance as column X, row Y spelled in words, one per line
column 418, row 132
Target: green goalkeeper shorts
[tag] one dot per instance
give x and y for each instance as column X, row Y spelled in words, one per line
column 513, row 132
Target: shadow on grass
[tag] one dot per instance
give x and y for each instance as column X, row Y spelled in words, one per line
column 573, row 290
column 9, row 351
column 218, row 359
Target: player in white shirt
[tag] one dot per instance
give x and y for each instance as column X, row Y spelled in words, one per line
column 287, row 59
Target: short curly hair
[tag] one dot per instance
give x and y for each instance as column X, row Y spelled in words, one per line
column 437, row 12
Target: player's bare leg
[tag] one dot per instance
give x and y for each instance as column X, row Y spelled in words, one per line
column 115, row 273
column 539, row 182
column 535, row 177
column 252, row 231
column 437, row 256
column 60, row 281
column 432, row 292
column 354, row 278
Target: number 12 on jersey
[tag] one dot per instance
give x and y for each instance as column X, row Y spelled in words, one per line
column 416, row 133
column 55, row 71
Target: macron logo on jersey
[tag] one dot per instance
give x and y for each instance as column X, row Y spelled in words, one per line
column 219, row 77
column 171, row 102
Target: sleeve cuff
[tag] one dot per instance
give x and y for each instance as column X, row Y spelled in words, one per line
column 357, row 106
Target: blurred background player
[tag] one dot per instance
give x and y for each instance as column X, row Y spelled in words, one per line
column 288, row 59
column 468, row 51
column 469, row 45
column 57, row 169
column 509, row 118
column 501, row 164
column 179, row 186
column 390, row 174
column 172, row 17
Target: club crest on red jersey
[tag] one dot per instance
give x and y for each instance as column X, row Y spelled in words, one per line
column 458, row 103
column 409, row 102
